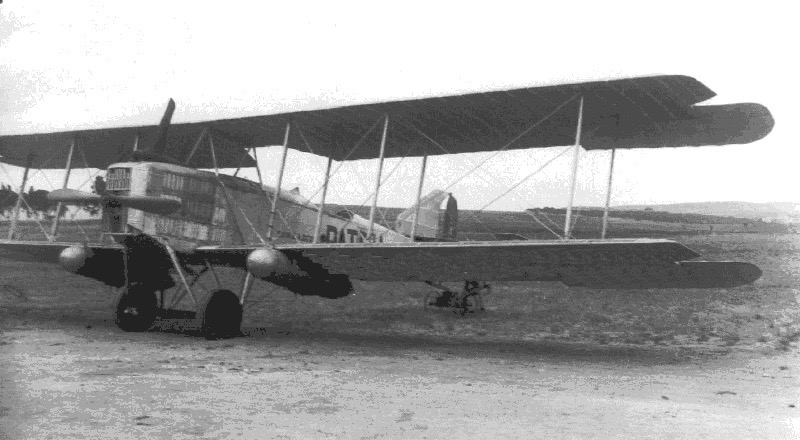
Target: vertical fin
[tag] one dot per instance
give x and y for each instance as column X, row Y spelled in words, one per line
column 448, row 220
column 433, row 224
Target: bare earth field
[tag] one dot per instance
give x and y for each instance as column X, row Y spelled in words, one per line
column 544, row 361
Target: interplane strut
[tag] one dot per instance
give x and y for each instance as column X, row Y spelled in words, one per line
column 574, row 178
column 646, row 112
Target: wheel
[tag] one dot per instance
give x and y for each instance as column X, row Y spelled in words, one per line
column 136, row 309
column 221, row 316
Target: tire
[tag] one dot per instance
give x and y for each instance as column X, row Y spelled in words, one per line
column 136, row 309
column 222, row 315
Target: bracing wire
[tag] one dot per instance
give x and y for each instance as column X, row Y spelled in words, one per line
column 513, row 187
column 384, row 180
column 549, row 220
column 501, row 149
column 347, row 156
column 529, row 212
column 230, row 199
column 288, row 226
column 509, row 143
column 72, row 219
column 21, row 198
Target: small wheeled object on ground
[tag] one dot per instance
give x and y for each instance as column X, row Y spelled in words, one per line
column 468, row 300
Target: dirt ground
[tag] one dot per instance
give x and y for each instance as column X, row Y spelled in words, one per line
column 544, row 361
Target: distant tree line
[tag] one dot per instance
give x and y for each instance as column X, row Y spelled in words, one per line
column 656, row 216
column 36, row 204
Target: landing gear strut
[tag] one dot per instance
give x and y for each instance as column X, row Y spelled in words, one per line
column 152, row 265
column 137, row 308
column 221, row 315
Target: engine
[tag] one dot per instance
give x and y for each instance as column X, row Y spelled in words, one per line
column 74, row 257
column 270, row 264
column 105, row 265
column 297, row 273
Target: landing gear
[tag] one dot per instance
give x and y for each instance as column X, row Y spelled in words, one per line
column 221, row 316
column 137, row 308
column 152, row 265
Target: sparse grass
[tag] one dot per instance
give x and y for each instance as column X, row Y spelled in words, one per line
column 731, row 339
column 788, row 335
column 14, row 291
column 516, row 311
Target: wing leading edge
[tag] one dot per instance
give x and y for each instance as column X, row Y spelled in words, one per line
column 645, row 112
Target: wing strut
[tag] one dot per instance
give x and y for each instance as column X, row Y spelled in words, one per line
column 574, row 179
column 230, row 201
column 419, row 197
column 608, row 194
column 196, row 145
column 280, row 182
column 377, row 181
column 258, row 168
column 67, row 170
column 247, row 286
column 322, row 204
column 18, row 205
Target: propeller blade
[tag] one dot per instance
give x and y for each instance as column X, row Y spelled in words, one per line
column 163, row 128
column 73, row 196
column 152, row 204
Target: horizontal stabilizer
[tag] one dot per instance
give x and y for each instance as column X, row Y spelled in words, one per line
column 152, row 204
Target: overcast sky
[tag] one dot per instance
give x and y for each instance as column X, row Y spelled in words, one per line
column 69, row 65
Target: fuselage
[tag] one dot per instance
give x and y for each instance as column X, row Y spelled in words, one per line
column 224, row 210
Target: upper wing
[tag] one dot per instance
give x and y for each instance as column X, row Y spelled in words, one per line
column 99, row 148
column 646, row 112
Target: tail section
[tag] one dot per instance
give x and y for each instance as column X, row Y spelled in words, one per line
column 438, row 217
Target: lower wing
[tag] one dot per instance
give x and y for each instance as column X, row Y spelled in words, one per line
column 607, row 264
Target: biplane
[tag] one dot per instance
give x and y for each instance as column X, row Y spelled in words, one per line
column 171, row 215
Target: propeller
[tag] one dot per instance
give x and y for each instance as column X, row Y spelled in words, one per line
column 152, row 204
column 157, row 151
column 163, row 128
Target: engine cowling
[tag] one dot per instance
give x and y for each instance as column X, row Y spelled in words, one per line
column 297, row 274
column 269, row 264
column 74, row 257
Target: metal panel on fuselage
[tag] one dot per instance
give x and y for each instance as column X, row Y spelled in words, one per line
column 227, row 210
